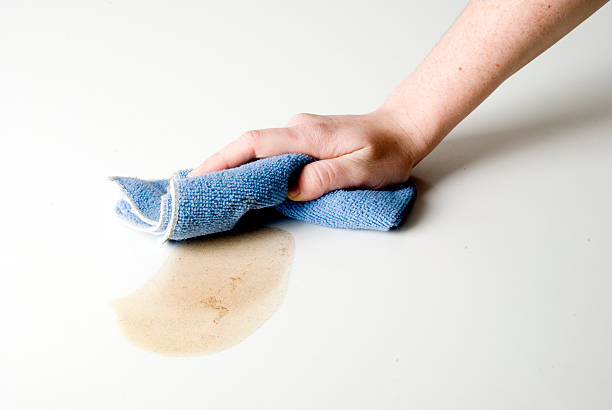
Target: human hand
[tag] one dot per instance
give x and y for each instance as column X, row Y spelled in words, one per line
column 372, row 151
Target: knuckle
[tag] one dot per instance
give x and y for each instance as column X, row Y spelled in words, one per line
column 293, row 134
column 301, row 117
column 318, row 133
column 251, row 140
column 321, row 128
column 321, row 176
column 251, row 137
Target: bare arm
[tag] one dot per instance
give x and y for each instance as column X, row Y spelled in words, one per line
column 488, row 42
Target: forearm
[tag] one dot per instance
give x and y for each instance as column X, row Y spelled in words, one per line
column 489, row 42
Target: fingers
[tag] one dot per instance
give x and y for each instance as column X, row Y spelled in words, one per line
column 321, row 177
column 230, row 156
column 253, row 144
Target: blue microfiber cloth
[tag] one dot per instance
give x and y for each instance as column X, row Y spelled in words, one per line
column 182, row 208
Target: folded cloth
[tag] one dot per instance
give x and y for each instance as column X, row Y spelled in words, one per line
column 181, row 207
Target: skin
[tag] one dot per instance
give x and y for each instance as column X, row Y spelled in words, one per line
column 489, row 41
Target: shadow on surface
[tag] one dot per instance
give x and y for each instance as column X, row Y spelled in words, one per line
column 562, row 111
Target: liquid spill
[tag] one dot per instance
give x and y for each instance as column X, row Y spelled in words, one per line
column 210, row 293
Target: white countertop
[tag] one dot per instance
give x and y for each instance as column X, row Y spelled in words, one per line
column 496, row 294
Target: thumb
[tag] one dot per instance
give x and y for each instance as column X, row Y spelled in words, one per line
column 321, row 177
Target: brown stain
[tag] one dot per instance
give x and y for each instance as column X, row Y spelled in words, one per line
column 235, row 282
column 209, row 294
column 216, row 303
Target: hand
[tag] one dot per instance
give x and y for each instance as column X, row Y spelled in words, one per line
column 372, row 151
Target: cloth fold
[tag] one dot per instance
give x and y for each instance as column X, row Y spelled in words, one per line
column 180, row 208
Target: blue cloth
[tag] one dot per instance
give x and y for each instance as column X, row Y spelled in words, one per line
column 181, row 207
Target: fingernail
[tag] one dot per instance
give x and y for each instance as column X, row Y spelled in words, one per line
column 293, row 194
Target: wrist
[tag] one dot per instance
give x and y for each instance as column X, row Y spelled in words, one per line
column 417, row 110
column 422, row 130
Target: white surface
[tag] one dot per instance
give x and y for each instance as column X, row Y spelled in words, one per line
column 497, row 293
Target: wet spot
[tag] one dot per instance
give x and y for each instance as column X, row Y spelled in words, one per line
column 210, row 293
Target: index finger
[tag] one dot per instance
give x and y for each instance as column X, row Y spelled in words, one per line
column 254, row 144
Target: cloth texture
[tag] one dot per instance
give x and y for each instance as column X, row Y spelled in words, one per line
column 180, row 208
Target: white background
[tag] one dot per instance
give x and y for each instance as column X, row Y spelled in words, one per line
column 496, row 294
